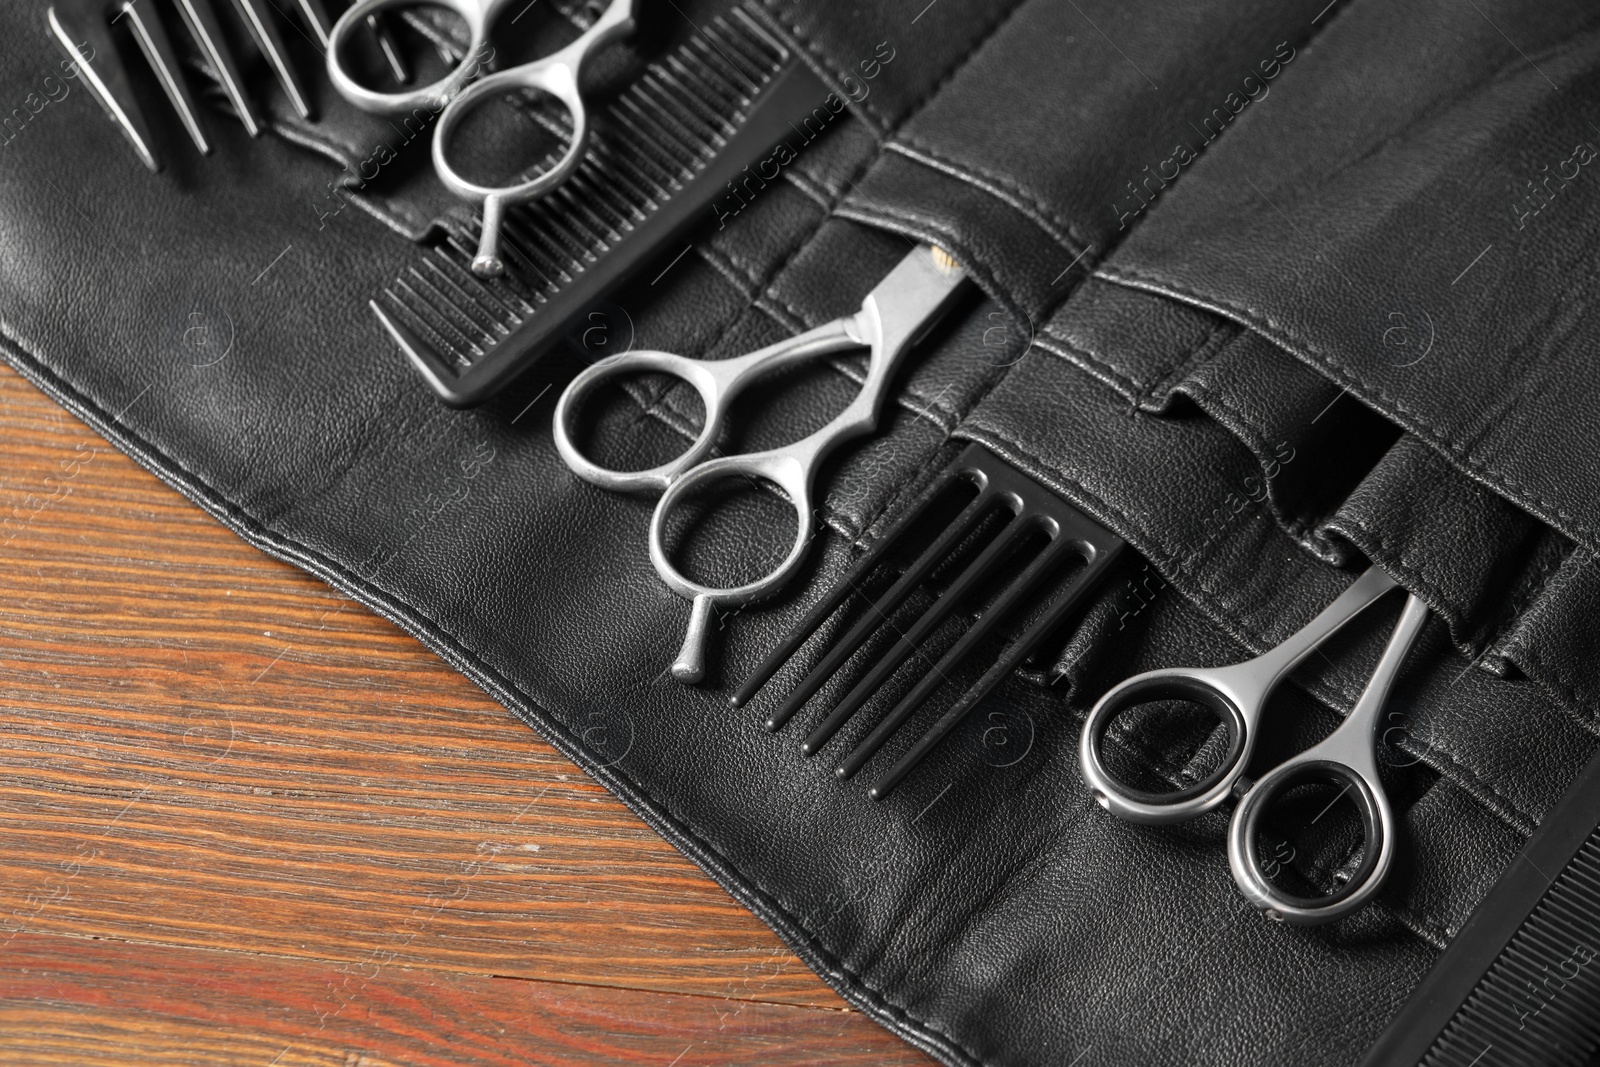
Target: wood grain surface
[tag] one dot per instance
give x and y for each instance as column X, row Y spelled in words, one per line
column 246, row 821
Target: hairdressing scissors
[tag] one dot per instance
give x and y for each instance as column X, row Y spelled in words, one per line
column 556, row 74
column 1237, row 694
column 892, row 319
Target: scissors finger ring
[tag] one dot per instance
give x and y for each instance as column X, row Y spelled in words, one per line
column 892, row 318
column 556, row 75
column 1238, row 694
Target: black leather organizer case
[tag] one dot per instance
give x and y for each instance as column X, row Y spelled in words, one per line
column 1264, row 289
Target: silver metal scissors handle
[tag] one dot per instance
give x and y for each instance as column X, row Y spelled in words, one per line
column 1347, row 757
column 892, row 318
column 556, row 74
column 1238, row 695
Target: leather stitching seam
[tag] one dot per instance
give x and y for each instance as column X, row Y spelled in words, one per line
column 1551, row 678
column 1533, row 589
column 1308, row 351
column 810, row 189
column 791, row 27
column 1253, row 435
column 397, row 610
column 1510, row 813
column 1119, row 379
column 1007, row 192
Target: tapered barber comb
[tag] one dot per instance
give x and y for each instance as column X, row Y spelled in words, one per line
column 85, row 30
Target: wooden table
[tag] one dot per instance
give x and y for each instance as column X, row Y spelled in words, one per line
column 246, row 821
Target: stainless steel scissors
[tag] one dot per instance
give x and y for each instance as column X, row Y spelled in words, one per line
column 1347, row 757
column 556, row 74
column 891, row 320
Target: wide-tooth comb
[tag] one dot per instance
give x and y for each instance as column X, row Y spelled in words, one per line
column 84, row 27
column 657, row 160
column 1034, row 511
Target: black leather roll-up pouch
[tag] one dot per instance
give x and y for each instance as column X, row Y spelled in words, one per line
column 1274, row 350
column 1196, row 347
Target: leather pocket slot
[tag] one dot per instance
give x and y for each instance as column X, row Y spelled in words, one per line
column 1399, row 246
column 1177, row 483
column 1045, row 146
column 1555, row 640
column 1339, row 479
column 1478, row 559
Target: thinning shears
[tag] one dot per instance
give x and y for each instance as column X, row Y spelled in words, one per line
column 892, row 319
column 556, row 74
column 1347, row 758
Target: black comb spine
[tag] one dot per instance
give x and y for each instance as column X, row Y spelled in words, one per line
column 1545, row 905
column 657, row 160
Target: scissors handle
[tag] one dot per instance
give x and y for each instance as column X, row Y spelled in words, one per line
column 718, row 381
column 1347, row 758
column 891, row 320
column 430, row 98
column 1236, row 694
column 898, row 312
column 556, row 75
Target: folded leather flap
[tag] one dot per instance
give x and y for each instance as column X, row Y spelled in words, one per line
column 1426, row 247
column 1356, row 481
column 1024, row 161
column 1190, row 496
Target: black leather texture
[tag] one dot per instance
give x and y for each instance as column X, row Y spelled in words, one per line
column 1262, row 288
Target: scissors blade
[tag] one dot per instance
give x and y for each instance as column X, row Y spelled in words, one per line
column 79, row 25
column 912, row 297
column 316, row 14
column 266, row 35
column 201, row 19
column 389, row 47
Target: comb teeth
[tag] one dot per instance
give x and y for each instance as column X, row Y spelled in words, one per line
column 656, row 158
column 86, row 25
column 1536, row 1002
column 1026, row 510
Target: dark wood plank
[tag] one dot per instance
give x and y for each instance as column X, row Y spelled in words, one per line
column 108, row 1002
column 202, row 748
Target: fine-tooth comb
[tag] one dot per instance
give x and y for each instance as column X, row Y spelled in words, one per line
column 658, row 159
column 1027, row 513
column 83, row 27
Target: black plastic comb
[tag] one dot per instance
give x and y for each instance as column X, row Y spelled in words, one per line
column 1027, row 511
column 658, row 159
column 1520, row 983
